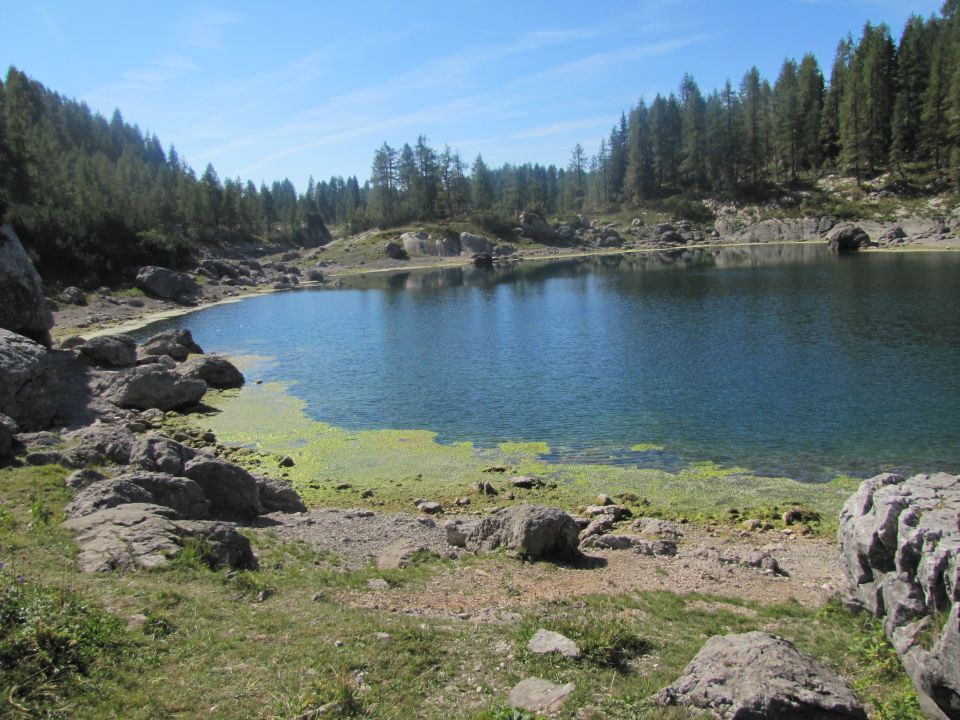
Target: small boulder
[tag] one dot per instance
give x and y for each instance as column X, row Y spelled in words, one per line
column 216, row 371
column 539, row 696
column 533, row 226
column 112, row 351
column 526, row 482
column 278, row 496
column 28, row 382
column 167, row 284
column 73, row 296
column 547, row 642
column 231, row 490
column 150, row 386
column 400, row 554
column 181, row 337
column 756, row 676
column 101, row 442
column 103, row 494
column 395, row 251
column 471, row 244
column 159, row 453
column 429, row 507
column 847, row 238
column 529, row 530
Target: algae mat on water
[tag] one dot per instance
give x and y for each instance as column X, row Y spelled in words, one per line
column 400, row 465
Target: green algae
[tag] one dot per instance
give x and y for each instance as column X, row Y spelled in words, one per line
column 389, row 468
column 646, row 447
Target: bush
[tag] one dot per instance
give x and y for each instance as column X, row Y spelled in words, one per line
column 687, row 209
column 494, row 223
column 47, row 638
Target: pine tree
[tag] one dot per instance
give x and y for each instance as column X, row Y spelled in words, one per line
column 481, row 185
column 693, row 133
column 913, row 74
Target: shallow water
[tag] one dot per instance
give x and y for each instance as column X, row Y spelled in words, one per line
column 783, row 359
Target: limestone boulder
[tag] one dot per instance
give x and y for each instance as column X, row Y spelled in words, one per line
column 168, row 284
column 533, row 226
column 395, row 251
column 28, row 382
column 181, row 337
column 756, row 676
column 231, row 490
column 847, row 238
column 99, row 443
column 159, row 453
column 471, row 244
column 152, row 386
column 112, row 351
column 900, row 551
column 145, row 535
column 23, row 308
column 278, row 496
column 215, row 370
column 531, row 531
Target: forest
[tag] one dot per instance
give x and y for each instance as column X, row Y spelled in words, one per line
column 92, row 197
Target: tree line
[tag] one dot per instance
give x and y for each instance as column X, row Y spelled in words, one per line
column 92, row 197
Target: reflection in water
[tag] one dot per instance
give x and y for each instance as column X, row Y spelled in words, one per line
column 781, row 358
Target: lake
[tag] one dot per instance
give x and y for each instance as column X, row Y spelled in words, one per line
column 783, row 359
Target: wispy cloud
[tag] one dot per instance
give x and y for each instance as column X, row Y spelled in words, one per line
column 454, row 109
column 559, row 128
column 597, row 62
column 206, row 29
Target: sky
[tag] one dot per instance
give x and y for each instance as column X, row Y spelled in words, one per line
column 289, row 90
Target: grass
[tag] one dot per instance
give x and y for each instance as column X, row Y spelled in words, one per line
column 399, row 465
column 208, row 643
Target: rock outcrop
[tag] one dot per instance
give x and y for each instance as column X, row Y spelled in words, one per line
column 146, row 535
column 168, row 284
column 756, row 676
column 900, row 550
column 27, row 382
column 23, row 308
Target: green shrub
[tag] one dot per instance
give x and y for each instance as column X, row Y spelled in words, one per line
column 47, row 638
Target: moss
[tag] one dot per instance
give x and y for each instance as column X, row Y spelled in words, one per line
column 399, row 465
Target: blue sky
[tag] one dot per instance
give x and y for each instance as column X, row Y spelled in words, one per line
column 298, row 89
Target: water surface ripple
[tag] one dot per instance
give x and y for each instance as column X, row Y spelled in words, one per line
column 783, row 359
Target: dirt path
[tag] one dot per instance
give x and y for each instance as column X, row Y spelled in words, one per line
column 706, row 562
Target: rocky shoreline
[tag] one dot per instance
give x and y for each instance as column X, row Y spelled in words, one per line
column 218, row 279
column 144, row 494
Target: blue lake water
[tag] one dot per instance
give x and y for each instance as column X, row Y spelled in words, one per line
column 783, row 358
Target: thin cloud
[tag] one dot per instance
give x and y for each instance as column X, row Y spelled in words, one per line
column 206, row 29
column 451, row 110
column 592, row 64
column 599, row 122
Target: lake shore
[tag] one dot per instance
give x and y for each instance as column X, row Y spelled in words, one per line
column 104, row 315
